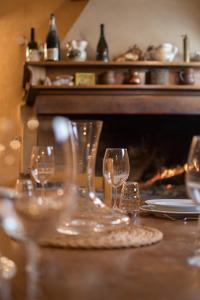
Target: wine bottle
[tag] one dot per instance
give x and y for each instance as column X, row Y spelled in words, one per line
column 52, row 41
column 32, row 53
column 102, row 52
column 32, row 44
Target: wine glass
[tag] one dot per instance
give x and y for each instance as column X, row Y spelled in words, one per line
column 42, row 165
column 116, row 168
column 8, row 163
column 40, row 216
column 192, row 180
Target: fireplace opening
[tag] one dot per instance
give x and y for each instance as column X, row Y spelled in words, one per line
column 157, row 145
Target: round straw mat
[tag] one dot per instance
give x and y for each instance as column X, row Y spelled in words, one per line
column 131, row 236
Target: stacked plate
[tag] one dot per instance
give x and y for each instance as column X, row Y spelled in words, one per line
column 172, row 207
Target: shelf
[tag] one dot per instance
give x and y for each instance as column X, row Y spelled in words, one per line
column 119, row 87
column 110, row 99
column 98, row 64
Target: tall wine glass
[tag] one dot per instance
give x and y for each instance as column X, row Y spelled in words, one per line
column 42, row 165
column 116, row 168
column 193, row 189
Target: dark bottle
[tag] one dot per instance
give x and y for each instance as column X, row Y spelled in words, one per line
column 52, row 41
column 32, row 44
column 102, row 46
column 32, row 53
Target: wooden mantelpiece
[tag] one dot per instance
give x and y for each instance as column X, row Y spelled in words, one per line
column 109, row 99
column 173, row 99
column 117, row 101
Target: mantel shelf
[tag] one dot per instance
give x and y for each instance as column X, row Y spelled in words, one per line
column 118, row 87
column 115, row 100
column 113, row 64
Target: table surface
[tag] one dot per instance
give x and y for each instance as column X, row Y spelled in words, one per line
column 158, row 271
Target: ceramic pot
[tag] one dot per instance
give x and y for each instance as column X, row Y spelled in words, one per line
column 134, row 78
column 108, row 77
column 159, row 76
column 187, row 76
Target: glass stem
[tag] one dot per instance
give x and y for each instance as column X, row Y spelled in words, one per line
column 43, row 190
column 197, row 239
column 32, row 270
column 115, row 197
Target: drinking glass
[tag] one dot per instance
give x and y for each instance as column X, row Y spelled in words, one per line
column 42, row 165
column 116, row 168
column 40, row 216
column 24, row 186
column 8, row 162
column 193, row 189
column 130, row 199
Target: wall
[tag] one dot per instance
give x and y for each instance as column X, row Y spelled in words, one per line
column 16, row 18
column 143, row 22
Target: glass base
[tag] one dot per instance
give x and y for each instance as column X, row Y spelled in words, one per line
column 7, row 268
column 92, row 216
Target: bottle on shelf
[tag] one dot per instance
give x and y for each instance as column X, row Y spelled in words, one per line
column 32, row 53
column 102, row 52
column 52, row 41
column 186, row 51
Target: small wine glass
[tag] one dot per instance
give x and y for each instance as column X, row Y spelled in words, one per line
column 42, row 165
column 116, row 168
column 130, row 199
column 192, row 180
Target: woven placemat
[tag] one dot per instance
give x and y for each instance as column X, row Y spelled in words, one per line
column 132, row 236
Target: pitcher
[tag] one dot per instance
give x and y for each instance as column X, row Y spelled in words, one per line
column 90, row 214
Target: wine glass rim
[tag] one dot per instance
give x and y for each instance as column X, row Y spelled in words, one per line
column 196, row 136
column 43, row 146
column 116, row 148
column 87, row 121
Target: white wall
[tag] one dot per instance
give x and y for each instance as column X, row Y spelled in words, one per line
column 143, row 22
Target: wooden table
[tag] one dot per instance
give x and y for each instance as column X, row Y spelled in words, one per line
column 155, row 272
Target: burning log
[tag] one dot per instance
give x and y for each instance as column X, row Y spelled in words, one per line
column 164, row 174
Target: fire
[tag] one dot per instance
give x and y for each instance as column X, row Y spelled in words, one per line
column 166, row 173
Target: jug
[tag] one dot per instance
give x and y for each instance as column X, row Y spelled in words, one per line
column 76, row 50
column 166, row 52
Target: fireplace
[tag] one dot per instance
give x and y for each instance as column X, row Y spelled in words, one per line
column 157, row 145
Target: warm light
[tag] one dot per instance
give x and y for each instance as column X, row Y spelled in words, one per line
column 2, row 147
column 169, row 186
column 60, row 192
column 9, row 160
column 33, row 124
column 15, row 144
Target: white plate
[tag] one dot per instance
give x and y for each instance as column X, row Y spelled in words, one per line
column 184, row 205
column 167, row 213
